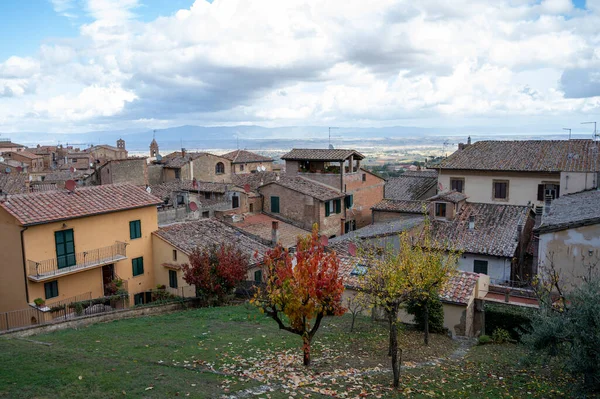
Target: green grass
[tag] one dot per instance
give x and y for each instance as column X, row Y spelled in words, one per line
column 207, row 353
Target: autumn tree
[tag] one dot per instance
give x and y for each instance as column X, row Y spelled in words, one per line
column 303, row 286
column 215, row 271
column 409, row 272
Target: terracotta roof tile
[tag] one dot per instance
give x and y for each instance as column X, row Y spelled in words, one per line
column 526, row 155
column 409, row 187
column 404, row 206
column 164, row 190
column 315, row 154
column 205, row 232
column 254, row 180
column 51, row 206
column 572, row 210
column 243, row 156
column 459, row 288
column 450, row 196
column 309, row 187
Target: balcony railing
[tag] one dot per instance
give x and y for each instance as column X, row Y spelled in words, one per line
column 49, row 268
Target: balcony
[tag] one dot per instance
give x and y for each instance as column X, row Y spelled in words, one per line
column 48, row 269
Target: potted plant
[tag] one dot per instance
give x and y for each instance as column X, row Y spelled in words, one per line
column 39, row 302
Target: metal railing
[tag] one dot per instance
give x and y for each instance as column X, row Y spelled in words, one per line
column 49, row 268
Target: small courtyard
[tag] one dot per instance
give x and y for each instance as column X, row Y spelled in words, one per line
column 236, row 352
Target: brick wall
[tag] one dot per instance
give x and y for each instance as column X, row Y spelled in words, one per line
column 155, row 174
column 366, row 194
column 241, row 168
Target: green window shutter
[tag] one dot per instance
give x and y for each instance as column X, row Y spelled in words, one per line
column 65, row 248
column 275, row 204
column 327, row 210
column 137, row 266
column 51, row 289
column 135, row 229
column 258, row 276
column 172, row 279
column 351, row 201
column 338, row 205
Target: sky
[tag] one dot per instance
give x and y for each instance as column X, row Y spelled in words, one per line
column 93, row 65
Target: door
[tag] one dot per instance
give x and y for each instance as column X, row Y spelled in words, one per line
column 275, row 204
column 108, row 275
column 235, row 202
column 65, row 248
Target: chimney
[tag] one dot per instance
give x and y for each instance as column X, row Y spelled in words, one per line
column 461, row 146
column 471, row 222
column 519, row 230
column 343, row 226
column 547, row 204
column 274, row 232
column 469, row 140
column 183, row 152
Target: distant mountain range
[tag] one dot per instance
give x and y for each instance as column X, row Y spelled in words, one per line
column 264, row 138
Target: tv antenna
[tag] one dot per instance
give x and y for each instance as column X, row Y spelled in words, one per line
column 329, row 128
column 566, row 128
column 595, row 135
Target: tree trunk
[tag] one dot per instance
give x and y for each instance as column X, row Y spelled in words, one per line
column 394, row 347
column 426, row 322
column 306, row 349
column 352, row 325
column 390, row 323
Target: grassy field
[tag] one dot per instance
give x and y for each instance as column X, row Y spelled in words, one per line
column 237, row 352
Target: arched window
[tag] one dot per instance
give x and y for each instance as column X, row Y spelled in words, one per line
column 220, row 168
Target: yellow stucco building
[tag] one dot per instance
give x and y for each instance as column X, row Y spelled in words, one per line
column 57, row 245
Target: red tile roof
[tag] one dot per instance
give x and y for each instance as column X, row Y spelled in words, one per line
column 403, row 206
column 450, row 196
column 315, row 154
column 52, row 206
column 243, row 156
column 410, row 186
column 459, row 288
column 526, row 155
column 309, row 188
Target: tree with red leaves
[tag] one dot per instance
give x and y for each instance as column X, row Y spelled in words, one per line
column 304, row 286
column 215, row 271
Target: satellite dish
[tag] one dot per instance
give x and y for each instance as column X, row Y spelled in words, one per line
column 30, row 178
column 8, row 170
column 74, row 169
column 71, row 169
column 70, row 185
column 324, row 241
column 352, row 249
column 247, row 188
column 19, row 169
column 148, row 190
column 159, row 157
column 331, row 146
column 1, row 159
column 193, row 207
column 91, row 165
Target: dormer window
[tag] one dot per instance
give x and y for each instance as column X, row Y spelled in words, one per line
column 440, row 209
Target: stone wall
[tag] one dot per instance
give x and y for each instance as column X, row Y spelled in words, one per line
column 134, row 171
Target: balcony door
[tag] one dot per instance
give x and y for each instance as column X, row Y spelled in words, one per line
column 65, row 248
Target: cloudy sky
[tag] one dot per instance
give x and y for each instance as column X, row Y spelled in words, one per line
column 82, row 65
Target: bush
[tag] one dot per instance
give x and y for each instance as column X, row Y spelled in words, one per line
column 436, row 315
column 484, row 339
column 39, row 302
column 515, row 320
column 501, row 336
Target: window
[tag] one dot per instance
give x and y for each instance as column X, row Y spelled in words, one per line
column 500, row 190
column 74, row 160
column 545, row 189
column 175, row 255
column 51, row 289
column 220, row 168
column 180, row 200
column 205, row 214
column 480, row 266
column 241, row 168
column 207, row 196
column 138, row 299
column 457, row 184
column 172, row 279
column 349, row 226
column 258, row 276
column 337, row 205
column 65, row 248
column 349, row 201
column 333, row 206
column 235, row 201
column 440, row 209
column 178, row 173
column 328, row 207
column 275, row 204
column 359, row 270
column 135, row 229
column 364, row 177
column 137, row 266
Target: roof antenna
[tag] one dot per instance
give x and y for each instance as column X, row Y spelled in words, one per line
column 594, row 149
column 154, row 134
column 331, row 127
column 566, row 128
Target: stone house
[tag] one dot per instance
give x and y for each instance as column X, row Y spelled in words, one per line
column 340, row 170
column 412, row 186
column 129, row 170
column 201, row 166
column 520, row 172
column 104, row 152
column 34, row 162
column 243, row 161
column 569, row 236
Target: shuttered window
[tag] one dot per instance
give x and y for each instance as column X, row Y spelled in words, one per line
column 65, row 248
column 135, row 229
column 349, row 201
column 172, row 279
column 275, row 204
column 137, row 266
column 480, row 266
column 338, row 205
column 328, row 208
column 258, row 276
column 51, row 289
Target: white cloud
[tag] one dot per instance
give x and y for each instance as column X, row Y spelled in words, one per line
column 342, row 61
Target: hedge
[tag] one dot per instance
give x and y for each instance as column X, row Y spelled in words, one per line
column 514, row 319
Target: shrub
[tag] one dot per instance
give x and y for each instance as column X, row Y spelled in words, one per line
column 436, row 315
column 501, row 336
column 514, row 319
column 484, row 339
column 39, row 302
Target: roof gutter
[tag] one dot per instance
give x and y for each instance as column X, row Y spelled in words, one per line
column 24, row 264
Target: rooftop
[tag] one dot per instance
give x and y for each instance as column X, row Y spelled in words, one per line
column 410, row 186
column 176, row 161
column 64, row 175
column 164, row 190
column 526, row 155
column 450, row 196
column 261, row 225
column 243, row 156
column 9, row 144
column 574, row 210
column 403, row 206
column 421, row 173
column 205, row 232
column 308, row 187
column 495, row 232
column 254, row 180
column 380, row 229
column 105, row 146
column 459, row 288
column 24, row 154
column 309, row 154
column 52, row 206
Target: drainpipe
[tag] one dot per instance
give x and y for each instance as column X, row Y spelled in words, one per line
column 24, row 264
